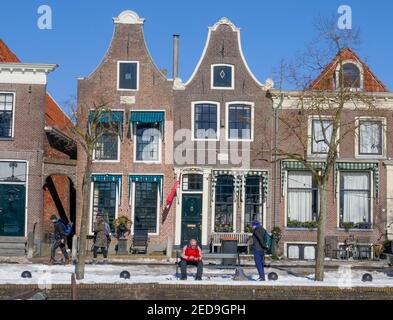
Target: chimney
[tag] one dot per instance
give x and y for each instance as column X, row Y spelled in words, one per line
column 175, row 73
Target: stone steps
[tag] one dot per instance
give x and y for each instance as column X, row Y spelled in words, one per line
column 12, row 246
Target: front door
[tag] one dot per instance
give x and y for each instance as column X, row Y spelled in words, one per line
column 12, row 210
column 191, row 218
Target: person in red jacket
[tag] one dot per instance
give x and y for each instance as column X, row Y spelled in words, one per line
column 191, row 255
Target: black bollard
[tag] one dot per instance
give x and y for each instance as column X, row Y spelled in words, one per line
column 125, row 275
column 26, row 274
column 272, row 276
column 367, row 277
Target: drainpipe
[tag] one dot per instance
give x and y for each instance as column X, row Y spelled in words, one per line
column 275, row 169
column 275, row 157
column 175, row 73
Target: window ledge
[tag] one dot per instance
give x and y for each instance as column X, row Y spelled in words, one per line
column 7, row 139
column 370, row 157
column 356, row 230
column 300, row 229
column 106, row 161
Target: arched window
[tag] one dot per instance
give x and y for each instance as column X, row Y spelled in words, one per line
column 351, row 76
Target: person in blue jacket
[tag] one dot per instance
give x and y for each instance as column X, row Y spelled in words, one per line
column 259, row 248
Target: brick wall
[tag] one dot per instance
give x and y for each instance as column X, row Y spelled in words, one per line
column 155, row 93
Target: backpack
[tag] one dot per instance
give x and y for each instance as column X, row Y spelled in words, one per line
column 268, row 242
column 67, row 228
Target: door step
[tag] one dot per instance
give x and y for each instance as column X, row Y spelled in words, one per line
column 12, row 246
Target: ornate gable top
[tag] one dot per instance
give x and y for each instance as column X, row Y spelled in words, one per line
column 224, row 20
column 128, row 17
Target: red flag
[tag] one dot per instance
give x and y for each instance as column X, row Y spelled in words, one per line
column 169, row 200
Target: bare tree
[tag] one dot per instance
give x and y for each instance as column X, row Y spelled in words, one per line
column 89, row 128
column 326, row 101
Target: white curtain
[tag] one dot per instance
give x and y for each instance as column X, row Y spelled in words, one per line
column 370, row 137
column 356, row 196
column 319, row 143
column 309, row 253
column 300, row 196
column 293, row 252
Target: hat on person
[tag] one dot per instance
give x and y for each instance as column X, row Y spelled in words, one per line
column 53, row 217
column 256, row 224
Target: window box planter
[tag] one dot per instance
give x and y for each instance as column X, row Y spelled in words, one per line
column 223, row 228
column 302, row 225
column 356, row 226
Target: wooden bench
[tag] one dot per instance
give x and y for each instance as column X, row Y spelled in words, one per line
column 209, row 256
column 243, row 239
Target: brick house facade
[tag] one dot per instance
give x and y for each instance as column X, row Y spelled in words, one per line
column 29, row 125
column 221, row 125
column 359, row 189
column 132, row 170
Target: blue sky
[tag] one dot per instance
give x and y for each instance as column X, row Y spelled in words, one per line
column 271, row 31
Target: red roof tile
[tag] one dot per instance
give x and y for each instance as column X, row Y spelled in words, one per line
column 6, row 55
column 325, row 80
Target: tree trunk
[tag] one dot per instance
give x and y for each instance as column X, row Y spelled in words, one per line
column 80, row 265
column 320, row 258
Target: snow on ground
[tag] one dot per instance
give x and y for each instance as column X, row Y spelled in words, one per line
column 45, row 275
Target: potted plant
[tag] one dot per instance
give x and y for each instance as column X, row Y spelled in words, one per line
column 222, row 227
column 122, row 227
column 346, row 225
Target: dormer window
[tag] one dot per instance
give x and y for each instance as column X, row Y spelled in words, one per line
column 350, row 77
column 222, row 76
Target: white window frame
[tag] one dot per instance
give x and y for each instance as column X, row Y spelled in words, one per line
column 299, row 243
column 118, row 75
column 311, row 137
column 252, row 107
column 158, row 203
column 193, row 104
column 338, row 192
column 13, row 115
column 92, row 199
column 213, row 208
column 118, row 143
column 361, row 74
column 232, row 87
column 285, row 195
column 26, row 183
column 243, row 210
column 147, row 161
column 357, row 138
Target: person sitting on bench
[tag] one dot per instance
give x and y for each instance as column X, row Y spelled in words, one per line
column 191, row 255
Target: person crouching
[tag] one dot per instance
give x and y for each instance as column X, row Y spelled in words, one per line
column 101, row 238
column 191, row 255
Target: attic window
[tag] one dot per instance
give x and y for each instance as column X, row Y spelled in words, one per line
column 222, row 76
column 351, row 76
column 128, row 75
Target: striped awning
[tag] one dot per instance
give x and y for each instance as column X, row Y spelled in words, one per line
column 109, row 178
column 147, row 117
column 358, row 166
column 146, row 178
column 297, row 165
column 108, row 117
column 113, row 118
column 239, row 180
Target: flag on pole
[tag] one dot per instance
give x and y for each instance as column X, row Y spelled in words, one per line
column 169, row 200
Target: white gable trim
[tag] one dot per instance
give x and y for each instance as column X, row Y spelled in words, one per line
column 214, row 28
column 25, row 73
